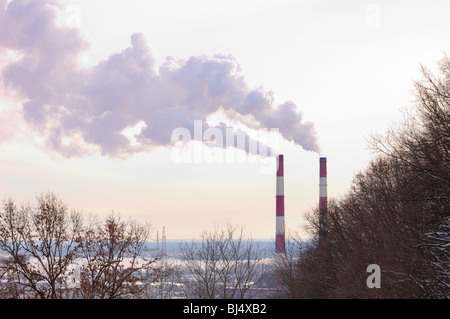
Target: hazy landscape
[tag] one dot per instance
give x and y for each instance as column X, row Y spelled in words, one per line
column 224, row 150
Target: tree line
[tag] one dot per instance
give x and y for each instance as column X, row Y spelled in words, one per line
column 49, row 252
column 395, row 215
column 41, row 247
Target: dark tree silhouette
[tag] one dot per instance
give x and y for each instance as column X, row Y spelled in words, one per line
column 396, row 214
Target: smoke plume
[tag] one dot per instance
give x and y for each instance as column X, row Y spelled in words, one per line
column 77, row 108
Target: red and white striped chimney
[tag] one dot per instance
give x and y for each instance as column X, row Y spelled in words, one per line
column 280, row 246
column 322, row 196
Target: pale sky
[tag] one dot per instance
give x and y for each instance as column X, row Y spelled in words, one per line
column 326, row 73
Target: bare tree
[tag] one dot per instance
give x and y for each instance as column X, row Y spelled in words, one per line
column 286, row 273
column 113, row 260
column 44, row 248
column 422, row 146
column 225, row 264
column 40, row 242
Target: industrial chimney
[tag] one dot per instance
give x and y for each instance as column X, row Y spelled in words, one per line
column 322, row 197
column 280, row 246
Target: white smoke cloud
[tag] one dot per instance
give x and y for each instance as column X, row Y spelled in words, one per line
column 74, row 107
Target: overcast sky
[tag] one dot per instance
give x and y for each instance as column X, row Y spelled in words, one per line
column 91, row 92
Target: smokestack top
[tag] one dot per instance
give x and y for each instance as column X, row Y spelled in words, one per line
column 280, row 171
column 323, row 167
